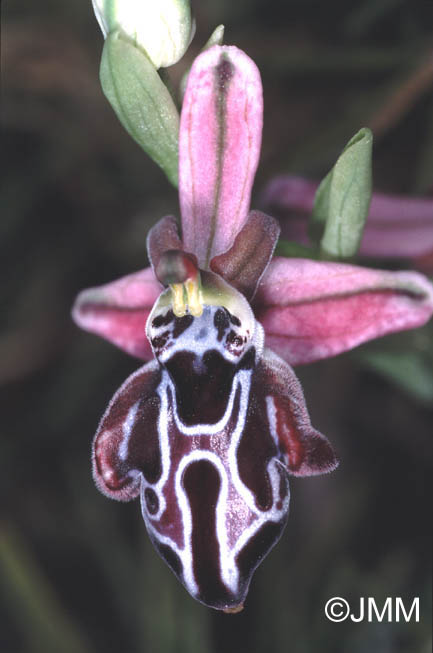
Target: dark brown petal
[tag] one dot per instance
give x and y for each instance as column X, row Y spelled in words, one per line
column 162, row 237
column 245, row 262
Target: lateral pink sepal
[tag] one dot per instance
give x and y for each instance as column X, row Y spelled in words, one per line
column 219, row 149
column 118, row 311
column 312, row 310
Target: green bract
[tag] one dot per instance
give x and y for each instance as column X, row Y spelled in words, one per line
column 343, row 199
column 162, row 28
column 216, row 38
column 141, row 101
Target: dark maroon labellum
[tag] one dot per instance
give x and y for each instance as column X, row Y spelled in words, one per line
column 208, row 436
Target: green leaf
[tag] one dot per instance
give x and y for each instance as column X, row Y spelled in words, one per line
column 407, row 369
column 142, row 103
column 319, row 215
column 405, row 359
column 291, row 249
column 343, row 199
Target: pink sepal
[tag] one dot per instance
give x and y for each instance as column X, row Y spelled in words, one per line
column 219, row 148
column 312, row 310
column 397, row 226
column 118, row 311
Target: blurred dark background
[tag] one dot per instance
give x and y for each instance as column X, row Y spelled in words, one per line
column 77, row 572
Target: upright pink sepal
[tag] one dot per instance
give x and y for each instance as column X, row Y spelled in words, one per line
column 312, row 310
column 219, row 149
column 118, row 311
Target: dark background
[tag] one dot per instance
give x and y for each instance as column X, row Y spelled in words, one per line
column 77, row 572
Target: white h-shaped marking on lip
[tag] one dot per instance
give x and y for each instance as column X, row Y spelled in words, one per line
column 227, row 557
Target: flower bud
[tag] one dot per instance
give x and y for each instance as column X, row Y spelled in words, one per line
column 163, row 29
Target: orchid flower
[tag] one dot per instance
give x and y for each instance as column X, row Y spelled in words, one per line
column 208, row 432
column 397, row 226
